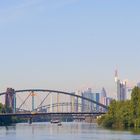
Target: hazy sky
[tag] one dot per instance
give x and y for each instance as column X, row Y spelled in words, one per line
column 68, row 44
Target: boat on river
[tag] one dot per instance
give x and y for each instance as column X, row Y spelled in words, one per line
column 55, row 121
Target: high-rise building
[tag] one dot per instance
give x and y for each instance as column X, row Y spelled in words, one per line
column 128, row 93
column 108, row 101
column 100, row 97
column 103, row 97
column 103, row 92
column 78, row 102
column 72, row 100
column 116, row 75
column 121, row 88
column 86, row 105
column 97, row 99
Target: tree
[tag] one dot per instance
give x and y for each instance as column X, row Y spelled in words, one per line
column 135, row 103
column 123, row 113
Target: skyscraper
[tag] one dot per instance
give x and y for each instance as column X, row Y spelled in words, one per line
column 97, row 99
column 120, row 88
column 103, row 97
column 116, row 75
column 86, row 105
column 78, row 102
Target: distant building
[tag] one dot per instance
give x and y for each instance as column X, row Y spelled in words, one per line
column 103, row 97
column 128, row 93
column 121, row 88
column 108, row 101
column 97, row 99
column 85, row 104
column 138, row 84
column 72, row 100
column 78, row 102
column 88, row 106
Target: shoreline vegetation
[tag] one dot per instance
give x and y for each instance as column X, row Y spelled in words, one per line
column 4, row 121
column 8, row 120
column 123, row 114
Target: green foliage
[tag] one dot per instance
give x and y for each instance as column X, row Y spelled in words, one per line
column 123, row 114
column 135, row 103
column 107, row 121
column 5, row 120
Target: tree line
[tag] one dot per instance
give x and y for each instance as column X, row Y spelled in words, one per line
column 8, row 120
column 5, row 120
column 123, row 114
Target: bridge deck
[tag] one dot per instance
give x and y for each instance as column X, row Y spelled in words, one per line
column 49, row 114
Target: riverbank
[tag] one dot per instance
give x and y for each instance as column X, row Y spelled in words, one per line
column 123, row 114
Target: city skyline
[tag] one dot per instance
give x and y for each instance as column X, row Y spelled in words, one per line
column 68, row 45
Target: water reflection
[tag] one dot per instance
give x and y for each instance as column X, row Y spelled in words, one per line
column 10, row 130
column 69, row 131
column 135, row 131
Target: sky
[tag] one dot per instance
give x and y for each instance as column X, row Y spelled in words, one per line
column 69, row 44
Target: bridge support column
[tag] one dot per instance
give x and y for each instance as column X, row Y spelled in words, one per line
column 58, row 110
column 10, row 100
column 51, row 102
column 33, row 100
column 14, row 109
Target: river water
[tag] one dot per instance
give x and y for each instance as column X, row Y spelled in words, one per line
column 68, row 131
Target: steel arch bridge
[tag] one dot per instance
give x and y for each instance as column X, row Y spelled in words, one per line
column 49, row 92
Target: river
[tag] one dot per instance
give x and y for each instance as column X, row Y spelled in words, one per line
column 68, row 131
